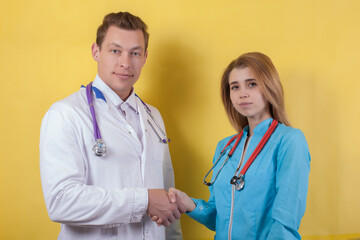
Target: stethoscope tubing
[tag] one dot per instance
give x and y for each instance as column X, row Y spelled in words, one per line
column 237, row 137
column 238, row 178
column 97, row 134
column 99, row 148
column 212, row 181
column 259, row 147
column 148, row 110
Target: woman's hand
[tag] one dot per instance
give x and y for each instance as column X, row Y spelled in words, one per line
column 181, row 199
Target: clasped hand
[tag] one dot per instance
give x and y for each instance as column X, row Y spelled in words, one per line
column 164, row 207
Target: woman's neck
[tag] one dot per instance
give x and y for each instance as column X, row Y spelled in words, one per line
column 253, row 122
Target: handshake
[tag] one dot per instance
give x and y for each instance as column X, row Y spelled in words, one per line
column 164, row 207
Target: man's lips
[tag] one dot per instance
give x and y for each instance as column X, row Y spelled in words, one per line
column 124, row 75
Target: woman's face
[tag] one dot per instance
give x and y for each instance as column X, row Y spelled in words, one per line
column 246, row 95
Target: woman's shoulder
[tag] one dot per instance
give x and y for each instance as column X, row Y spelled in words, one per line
column 225, row 140
column 286, row 134
column 292, row 141
column 287, row 131
column 221, row 144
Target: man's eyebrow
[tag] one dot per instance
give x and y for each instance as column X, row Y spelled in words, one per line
column 115, row 44
column 137, row 48
column 131, row 49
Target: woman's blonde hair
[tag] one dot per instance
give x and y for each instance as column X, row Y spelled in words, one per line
column 269, row 82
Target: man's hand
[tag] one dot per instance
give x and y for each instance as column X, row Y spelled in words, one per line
column 160, row 206
column 182, row 201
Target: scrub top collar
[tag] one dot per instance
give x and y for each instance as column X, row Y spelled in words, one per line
column 261, row 128
column 113, row 97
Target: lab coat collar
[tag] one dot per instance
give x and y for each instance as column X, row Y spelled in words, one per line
column 261, row 128
column 112, row 96
column 132, row 101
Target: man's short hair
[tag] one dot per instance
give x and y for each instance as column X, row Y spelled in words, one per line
column 122, row 20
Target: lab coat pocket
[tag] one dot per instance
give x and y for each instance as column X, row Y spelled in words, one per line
column 155, row 164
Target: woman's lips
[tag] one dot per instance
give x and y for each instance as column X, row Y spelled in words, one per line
column 245, row 104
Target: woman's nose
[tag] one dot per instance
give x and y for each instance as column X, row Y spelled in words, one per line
column 243, row 94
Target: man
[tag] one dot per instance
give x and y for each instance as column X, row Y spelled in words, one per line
column 109, row 196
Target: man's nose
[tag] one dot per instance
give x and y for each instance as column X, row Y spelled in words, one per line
column 124, row 60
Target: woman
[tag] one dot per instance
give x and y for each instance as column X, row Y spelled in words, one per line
column 268, row 200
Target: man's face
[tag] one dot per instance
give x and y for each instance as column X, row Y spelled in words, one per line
column 120, row 59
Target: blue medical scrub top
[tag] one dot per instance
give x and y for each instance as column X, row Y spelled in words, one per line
column 274, row 198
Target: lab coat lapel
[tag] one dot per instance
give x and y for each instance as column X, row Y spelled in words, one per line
column 155, row 157
column 146, row 136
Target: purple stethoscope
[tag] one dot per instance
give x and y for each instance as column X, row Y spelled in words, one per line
column 99, row 149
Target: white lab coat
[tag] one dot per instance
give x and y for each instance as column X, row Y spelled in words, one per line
column 102, row 197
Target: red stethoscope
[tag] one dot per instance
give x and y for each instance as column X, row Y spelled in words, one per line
column 239, row 179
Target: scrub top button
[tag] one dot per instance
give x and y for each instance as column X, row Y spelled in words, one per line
column 201, row 207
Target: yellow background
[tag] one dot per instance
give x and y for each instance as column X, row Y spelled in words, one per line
column 45, row 56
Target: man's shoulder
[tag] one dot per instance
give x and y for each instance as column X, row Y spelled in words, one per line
column 71, row 103
column 146, row 105
column 153, row 109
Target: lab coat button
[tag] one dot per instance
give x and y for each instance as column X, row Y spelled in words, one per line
column 201, row 207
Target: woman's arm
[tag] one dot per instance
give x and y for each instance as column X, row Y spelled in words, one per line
column 292, row 176
column 205, row 212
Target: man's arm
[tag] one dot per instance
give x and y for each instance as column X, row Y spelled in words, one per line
column 63, row 172
column 69, row 199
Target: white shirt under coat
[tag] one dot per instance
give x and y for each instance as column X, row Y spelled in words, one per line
column 103, row 197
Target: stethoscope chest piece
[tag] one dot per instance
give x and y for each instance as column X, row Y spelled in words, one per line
column 239, row 182
column 99, row 148
column 240, row 185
